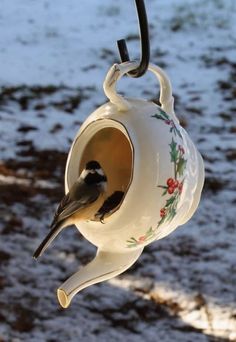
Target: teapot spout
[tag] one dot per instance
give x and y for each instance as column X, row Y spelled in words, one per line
column 104, row 266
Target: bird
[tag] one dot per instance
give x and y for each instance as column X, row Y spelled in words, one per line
column 110, row 205
column 82, row 202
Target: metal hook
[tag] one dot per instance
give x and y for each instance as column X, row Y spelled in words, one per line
column 144, row 36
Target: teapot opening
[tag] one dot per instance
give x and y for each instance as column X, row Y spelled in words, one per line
column 63, row 298
column 112, row 148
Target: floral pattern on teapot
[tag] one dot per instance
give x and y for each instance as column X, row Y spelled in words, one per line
column 173, row 186
column 132, row 242
column 168, row 121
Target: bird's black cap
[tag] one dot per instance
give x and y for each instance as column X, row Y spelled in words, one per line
column 94, row 178
column 93, row 165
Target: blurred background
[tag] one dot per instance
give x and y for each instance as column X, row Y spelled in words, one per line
column 53, row 60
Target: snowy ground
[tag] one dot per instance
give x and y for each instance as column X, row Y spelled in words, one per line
column 53, row 59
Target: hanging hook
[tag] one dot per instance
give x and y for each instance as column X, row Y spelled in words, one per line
column 144, row 36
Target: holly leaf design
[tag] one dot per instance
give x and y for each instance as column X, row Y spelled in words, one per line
column 171, row 214
column 132, row 240
column 150, row 232
column 170, row 201
column 161, row 221
column 158, row 116
column 173, row 151
column 178, row 132
column 181, row 166
column 165, row 189
column 164, row 192
column 164, row 114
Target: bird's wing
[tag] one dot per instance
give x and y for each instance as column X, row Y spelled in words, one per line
column 72, row 202
column 110, row 204
column 64, row 202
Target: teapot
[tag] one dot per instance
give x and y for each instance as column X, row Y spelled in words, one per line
column 146, row 154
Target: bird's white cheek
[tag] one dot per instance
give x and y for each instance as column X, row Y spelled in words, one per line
column 100, row 172
column 84, row 174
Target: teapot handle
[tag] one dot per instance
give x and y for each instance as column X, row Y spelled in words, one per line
column 118, row 70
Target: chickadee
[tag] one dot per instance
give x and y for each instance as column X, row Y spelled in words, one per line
column 82, row 202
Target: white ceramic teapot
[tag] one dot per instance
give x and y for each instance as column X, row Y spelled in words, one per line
column 146, row 154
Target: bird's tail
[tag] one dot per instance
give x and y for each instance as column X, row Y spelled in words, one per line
column 55, row 230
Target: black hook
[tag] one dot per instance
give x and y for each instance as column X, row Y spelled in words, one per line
column 145, row 47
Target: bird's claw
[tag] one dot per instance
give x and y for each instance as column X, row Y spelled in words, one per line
column 102, row 219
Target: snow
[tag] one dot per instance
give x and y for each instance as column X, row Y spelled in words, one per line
column 54, row 57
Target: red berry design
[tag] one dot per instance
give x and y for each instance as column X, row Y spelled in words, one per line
column 170, row 182
column 142, row 238
column 175, row 184
column 163, row 212
column 167, row 122
column 171, row 190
